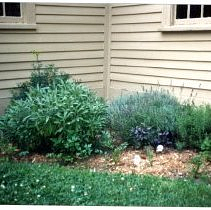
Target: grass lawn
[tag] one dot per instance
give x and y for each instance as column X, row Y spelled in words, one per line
column 44, row 184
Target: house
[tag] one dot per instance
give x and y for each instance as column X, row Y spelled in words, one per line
column 113, row 48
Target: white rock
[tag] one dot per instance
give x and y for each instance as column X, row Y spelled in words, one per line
column 159, row 148
column 136, row 160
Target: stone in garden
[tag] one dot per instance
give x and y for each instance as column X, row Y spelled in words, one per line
column 136, row 160
column 159, row 148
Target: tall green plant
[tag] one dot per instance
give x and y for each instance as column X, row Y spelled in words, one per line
column 42, row 75
column 193, row 125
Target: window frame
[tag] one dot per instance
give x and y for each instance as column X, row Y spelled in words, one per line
column 27, row 20
column 170, row 23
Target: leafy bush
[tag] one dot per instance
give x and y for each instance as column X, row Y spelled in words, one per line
column 42, row 75
column 155, row 109
column 196, row 164
column 193, row 124
column 206, row 148
column 63, row 118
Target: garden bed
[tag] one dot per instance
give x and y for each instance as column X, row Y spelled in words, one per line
column 170, row 163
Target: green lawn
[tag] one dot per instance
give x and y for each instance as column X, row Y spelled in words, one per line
column 25, row 183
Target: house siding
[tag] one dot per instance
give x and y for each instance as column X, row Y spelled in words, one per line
column 114, row 53
column 143, row 55
column 71, row 36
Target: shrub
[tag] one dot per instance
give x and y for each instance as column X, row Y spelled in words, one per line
column 196, row 164
column 42, row 75
column 206, row 148
column 63, row 118
column 155, row 109
column 193, row 124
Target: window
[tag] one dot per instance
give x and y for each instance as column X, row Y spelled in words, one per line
column 17, row 16
column 187, row 17
column 10, row 10
column 193, row 11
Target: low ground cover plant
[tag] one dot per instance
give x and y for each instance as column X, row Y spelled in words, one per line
column 42, row 184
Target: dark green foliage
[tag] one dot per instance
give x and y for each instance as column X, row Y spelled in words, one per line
column 206, row 148
column 42, row 75
column 193, row 124
column 155, row 109
column 196, row 163
column 63, row 118
column 40, row 184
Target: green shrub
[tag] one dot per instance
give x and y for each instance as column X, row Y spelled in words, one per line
column 63, row 118
column 196, row 163
column 193, row 124
column 206, row 148
column 42, row 75
column 155, row 109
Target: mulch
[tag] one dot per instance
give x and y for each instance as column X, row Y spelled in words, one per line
column 170, row 163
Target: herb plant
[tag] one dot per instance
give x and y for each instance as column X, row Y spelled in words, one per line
column 64, row 118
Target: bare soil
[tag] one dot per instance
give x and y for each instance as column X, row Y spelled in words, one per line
column 170, row 163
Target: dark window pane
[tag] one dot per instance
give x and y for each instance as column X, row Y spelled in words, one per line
column 13, row 9
column 1, row 9
column 207, row 11
column 181, row 11
column 195, row 11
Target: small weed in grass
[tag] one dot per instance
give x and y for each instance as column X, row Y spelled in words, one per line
column 41, row 184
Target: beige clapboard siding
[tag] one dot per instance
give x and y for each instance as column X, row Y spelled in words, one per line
column 170, row 73
column 70, row 36
column 162, row 55
column 47, row 28
column 137, row 18
column 6, row 93
column 122, row 5
column 89, row 5
column 3, row 104
column 67, row 10
column 183, row 98
column 52, row 38
column 206, row 85
column 136, row 9
column 161, row 37
column 57, row 63
column 23, row 57
column 66, row 28
column 135, row 27
column 177, row 91
column 70, row 19
column 192, row 65
column 4, row 75
column 167, row 46
column 143, row 56
column 53, row 47
column 5, row 84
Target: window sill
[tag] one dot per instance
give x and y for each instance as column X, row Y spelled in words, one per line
column 17, row 26
column 185, row 28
